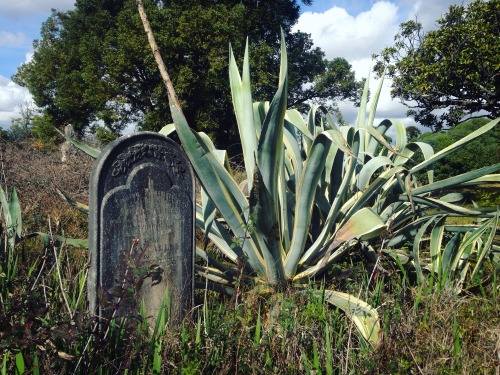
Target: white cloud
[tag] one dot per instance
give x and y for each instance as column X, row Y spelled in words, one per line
column 23, row 8
column 11, row 97
column 356, row 38
column 12, row 39
column 28, row 56
column 340, row 34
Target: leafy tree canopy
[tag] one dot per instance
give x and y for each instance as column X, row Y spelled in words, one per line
column 93, row 64
column 454, row 69
column 412, row 132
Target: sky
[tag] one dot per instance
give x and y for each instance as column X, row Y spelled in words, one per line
column 353, row 29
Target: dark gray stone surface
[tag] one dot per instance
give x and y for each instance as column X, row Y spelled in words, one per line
column 142, row 187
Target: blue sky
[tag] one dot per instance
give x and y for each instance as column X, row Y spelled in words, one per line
column 353, row 29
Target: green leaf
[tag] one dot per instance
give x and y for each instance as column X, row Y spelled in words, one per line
column 455, row 146
column 5, row 208
column 15, row 212
column 270, row 149
column 462, row 179
column 485, row 249
column 91, row 151
column 266, row 227
column 80, row 206
column 20, row 363
column 167, row 129
column 305, row 198
column 363, row 315
column 243, row 109
column 220, row 187
column 363, row 225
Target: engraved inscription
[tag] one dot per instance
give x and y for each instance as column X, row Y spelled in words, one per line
column 141, row 150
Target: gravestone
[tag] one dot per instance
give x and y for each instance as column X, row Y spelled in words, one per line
column 66, row 146
column 142, row 192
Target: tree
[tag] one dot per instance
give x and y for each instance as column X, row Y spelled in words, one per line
column 93, row 64
column 412, row 132
column 20, row 129
column 454, row 69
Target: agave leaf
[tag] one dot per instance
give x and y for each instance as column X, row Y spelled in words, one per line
column 270, row 148
column 295, row 118
column 400, row 132
column 220, row 237
column 209, row 209
column 80, row 206
column 305, row 197
column 486, row 248
column 408, row 232
column 259, row 114
column 450, row 252
column 285, row 195
column 372, row 189
column 408, row 151
column 470, row 240
column 370, row 168
column 461, row 179
column 360, row 120
column 374, row 101
column 15, row 212
column 211, row 262
column 379, row 138
column 266, row 224
column 58, row 240
column 213, row 274
column 455, row 146
column 292, row 149
column 5, row 208
column 436, row 243
column 340, row 197
column 363, row 225
column 416, row 249
column 91, row 151
column 220, row 187
column 491, row 178
column 73, row 241
column 436, row 203
column 167, row 130
column 243, row 108
column 452, row 197
column 363, row 315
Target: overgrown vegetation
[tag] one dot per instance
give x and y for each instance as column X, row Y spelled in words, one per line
column 299, row 332
column 337, row 260
column 292, row 332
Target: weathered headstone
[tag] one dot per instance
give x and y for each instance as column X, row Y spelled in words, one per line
column 66, row 147
column 142, row 189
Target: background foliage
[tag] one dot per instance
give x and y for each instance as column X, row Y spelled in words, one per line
column 479, row 153
column 93, row 63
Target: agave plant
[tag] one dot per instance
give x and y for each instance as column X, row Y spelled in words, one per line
column 316, row 190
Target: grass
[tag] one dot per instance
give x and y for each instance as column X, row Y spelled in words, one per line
column 45, row 327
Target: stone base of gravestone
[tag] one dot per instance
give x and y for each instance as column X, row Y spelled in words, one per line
column 141, row 228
